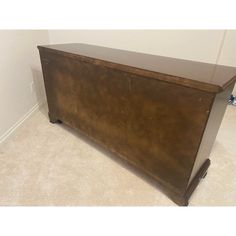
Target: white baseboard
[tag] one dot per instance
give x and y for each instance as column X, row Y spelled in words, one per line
column 20, row 121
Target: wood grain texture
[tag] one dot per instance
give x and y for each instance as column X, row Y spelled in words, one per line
column 199, row 75
column 153, row 124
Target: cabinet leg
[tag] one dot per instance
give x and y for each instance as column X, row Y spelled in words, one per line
column 53, row 120
column 200, row 175
column 204, row 175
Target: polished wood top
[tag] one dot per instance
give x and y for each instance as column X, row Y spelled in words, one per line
column 204, row 76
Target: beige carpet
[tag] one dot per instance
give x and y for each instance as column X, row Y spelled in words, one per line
column 46, row 164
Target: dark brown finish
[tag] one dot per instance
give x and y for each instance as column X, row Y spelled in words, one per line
column 140, row 107
column 203, row 76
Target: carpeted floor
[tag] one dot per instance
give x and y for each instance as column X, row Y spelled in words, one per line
column 45, row 164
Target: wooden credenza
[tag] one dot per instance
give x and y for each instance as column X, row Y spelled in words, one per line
column 160, row 114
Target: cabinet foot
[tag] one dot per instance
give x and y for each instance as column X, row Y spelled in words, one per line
column 183, row 200
column 54, row 120
column 200, row 175
column 204, row 175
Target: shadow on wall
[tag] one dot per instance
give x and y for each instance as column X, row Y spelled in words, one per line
column 39, row 90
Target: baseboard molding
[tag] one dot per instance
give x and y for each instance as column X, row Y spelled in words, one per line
column 21, row 121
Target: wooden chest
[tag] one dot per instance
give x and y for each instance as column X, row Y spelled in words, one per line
column 160, row 114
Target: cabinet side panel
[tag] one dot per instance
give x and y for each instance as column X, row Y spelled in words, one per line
column 211, row 130
column 47, row 65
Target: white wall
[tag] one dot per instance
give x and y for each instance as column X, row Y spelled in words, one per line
column 19, row 67
column 199, row 45
column 228, row 53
